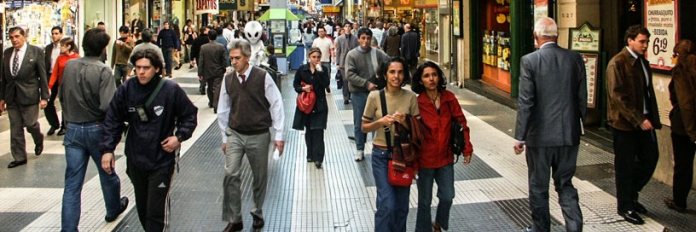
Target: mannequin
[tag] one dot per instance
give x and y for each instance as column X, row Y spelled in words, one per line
column 136, row 24
column 97, row 19
column 254, row 32
column 175, row 20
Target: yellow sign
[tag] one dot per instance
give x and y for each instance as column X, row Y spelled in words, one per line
column 331, row 9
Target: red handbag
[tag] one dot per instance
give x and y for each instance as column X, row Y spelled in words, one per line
column 399, row 178
column 306, row 100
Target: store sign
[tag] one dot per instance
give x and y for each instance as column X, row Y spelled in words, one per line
column 591, row 62
column 228, row 4
column 332, row 9
column 541, row 9
column 585, row 38
column 444, row 7
column 661, row 19
column 207, row 7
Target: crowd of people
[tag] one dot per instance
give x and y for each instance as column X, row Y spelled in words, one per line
column 100, row 104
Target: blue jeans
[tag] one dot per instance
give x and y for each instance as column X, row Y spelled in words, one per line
column 81, row 143
column 392, row 202
column 358, row 101
column 444, row 177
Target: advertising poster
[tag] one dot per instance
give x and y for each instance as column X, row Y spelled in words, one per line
column 661, row 19
column 541, row 9
column 591, row 62
column 456, row 18
column 585, row 39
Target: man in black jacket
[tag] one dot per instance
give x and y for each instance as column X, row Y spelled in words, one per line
column 152, row 143
column 410, row 48
column 211, row 69
column 168, row 40
column 196, row 48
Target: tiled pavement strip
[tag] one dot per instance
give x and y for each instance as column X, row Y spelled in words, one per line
column 490, row 193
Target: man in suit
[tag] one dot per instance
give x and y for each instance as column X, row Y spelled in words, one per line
column 551, row 111
column 633, row 115
column 344, row 44
column 211, row 68
column 52, row 51
column 23, row 91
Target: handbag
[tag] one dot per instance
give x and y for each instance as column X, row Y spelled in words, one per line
column 380, row 82
column 306, row 100
column 457, row 140
column 398, row 173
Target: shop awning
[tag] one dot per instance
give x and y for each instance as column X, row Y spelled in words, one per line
column 339, row 3
column 275, row 13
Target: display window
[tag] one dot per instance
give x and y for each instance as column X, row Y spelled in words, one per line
column 39, row 17
column 496, row 52
column 135, row 14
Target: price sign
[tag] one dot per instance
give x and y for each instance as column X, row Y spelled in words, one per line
column 591, row 62
column 661, row 19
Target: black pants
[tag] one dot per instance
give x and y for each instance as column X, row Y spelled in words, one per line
column 314, row 138
column 213, row 91
column 412, row 66
column 151, row 196
column 50, row 110
column 684, row 151
column 559, row 163
column 635, row 158
column 167, row 53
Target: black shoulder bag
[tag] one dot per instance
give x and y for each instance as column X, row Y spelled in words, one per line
column 457, row 140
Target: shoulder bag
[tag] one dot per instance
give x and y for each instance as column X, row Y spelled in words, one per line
column 306, row 100
column 399, row 173
column 457, row 140
column 380, row 82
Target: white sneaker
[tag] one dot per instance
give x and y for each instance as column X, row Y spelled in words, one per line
column 359, row 155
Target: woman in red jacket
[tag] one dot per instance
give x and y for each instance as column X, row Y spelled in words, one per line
column 68, row 51
column 438, row 107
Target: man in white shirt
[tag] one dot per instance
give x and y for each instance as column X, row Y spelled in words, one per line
column 228, row 33
column 377, row 33
column 326, row 46
column 250, row 104
column 52, row 51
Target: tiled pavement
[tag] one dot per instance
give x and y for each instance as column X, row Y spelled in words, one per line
column 490, row 193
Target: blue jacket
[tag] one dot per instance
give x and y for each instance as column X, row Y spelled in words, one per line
column 167, row 38
column 221, row 40
column 170, row 110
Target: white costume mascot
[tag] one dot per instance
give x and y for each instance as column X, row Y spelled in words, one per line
column 254, row 32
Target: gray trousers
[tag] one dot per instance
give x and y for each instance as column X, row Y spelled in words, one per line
column 256, row 148
column 20, row 117
column 346, row 91
column 559, row 163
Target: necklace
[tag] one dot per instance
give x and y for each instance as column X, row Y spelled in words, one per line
column 433, row 100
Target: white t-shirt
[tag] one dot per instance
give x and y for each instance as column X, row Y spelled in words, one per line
column 325, row 45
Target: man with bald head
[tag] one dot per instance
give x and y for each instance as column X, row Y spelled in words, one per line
column 410, row 48
column 551, row 110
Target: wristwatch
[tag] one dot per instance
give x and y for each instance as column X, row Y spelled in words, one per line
column 178, row 138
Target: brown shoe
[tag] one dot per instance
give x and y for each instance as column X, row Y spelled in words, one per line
column 436, row 227
column 258, row 222
column 670, row 204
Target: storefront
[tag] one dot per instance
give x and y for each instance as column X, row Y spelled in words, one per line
column 39, row 17
column 428, row 18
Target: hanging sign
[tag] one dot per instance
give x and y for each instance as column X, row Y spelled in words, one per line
column 661, row 19
column 585, row 38
column 245, row 5
column 228, row 4
column 207, row 7
column 591, row 62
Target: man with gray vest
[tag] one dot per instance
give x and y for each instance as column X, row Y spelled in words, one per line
column 250, row 104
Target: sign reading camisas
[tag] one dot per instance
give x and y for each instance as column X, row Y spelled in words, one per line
column 661, row 19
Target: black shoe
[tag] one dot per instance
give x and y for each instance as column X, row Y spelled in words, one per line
column 528, row 229
column 239, row 226
column 317, row 165
column 351, row 137
column 632, row 217
column 177, row 67
column 309, row 160
column 124, row 206
column 190, row 66
column 328, row 90
column 258, row 222
column 202, row 92
column 51, row 131
column 61, row 132
column 14, row 164
column 670, row 204
column 38, row 149
column 214, row 110
column 639, row 207
column 346, row 102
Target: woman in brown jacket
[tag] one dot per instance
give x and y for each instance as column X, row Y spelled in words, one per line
column 392, row 42
column 682, row 91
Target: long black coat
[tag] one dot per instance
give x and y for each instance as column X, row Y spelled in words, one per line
column 320, row 113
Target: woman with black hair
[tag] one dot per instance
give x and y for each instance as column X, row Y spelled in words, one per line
column 438, row 108
column 392, row 201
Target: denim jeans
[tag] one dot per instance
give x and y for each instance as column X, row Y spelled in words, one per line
column 81, row 143
column 444, row 177
column 392, row 202
column 358, row 101
column 120, row 72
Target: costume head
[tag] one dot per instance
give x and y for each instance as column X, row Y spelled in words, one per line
column 254, row 31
